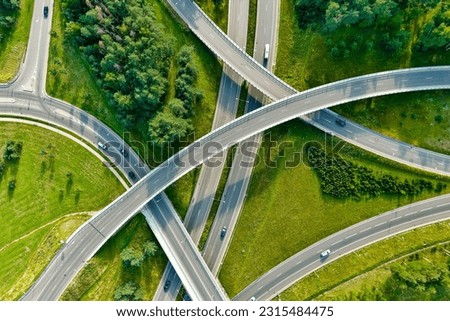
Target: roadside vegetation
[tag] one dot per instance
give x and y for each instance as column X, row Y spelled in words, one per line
column 217, row 10
column 324, row 41
column 72, row 79
column 410, row 266
column 15, row 23
column 251, row 34
column 46, row 192
column 127, row 268
column 287, row 208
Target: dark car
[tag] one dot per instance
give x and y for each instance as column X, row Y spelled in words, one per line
column 166, row 285
column 132, row 175
column 45, row 11
column 124, row 152
column 223, row 232
column 340, row 122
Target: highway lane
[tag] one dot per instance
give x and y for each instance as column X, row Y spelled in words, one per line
column 229, row 51
column 111, row 218
column 240, row 173
column 208, row 180
column 344, row 242
column 372, row 141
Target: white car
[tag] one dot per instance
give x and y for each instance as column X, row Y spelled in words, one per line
column 101, row 145
column 266, row 51
column 325, row 253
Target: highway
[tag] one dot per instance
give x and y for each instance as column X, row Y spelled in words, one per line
column 344, row 242
column 111, row 218
column 26, row 95
column 208, row 180
column 239, row 176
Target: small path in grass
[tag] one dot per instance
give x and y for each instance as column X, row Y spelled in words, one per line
column 43, row 226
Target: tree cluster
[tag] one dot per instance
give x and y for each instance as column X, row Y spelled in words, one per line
column 417, row 279
column 7, row 21
column 134, row 257
column 380, row 23
column 127, row 49
column 436, row 33
column 167, row 126
column 343, row 179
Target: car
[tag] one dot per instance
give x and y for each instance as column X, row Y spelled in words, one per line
column 166, row 285
column 132, row 175
column 102, row 145
column 252, row 299
column 223, row 232
column 124, row 152
column 340, row 122
column 325, row 253
column 266, row 51
column 45, row 11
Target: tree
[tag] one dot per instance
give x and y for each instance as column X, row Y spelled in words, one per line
column 11, row 4
column 310, row 12
column 12, row 184
column 176, row 106
column 150, row 248
column 128, row 292
column 166, row 128
column 12, row 151
column 132, row 257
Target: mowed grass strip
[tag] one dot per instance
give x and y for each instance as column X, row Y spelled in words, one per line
column 13, row 47
column 346, row 274
column 43, row 194
column 285, row 210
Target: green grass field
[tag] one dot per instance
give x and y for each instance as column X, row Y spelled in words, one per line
column 13, row 47
column 304, row 62
column 285, row 210
column 252, row 10
column 364, row 268
column 37, row 214
column 217, row 13
column 105, row 271
column 69, row 79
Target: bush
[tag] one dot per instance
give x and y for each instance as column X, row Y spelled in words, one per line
column 12, row 151
column 12, row 184
column 128, row 292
